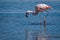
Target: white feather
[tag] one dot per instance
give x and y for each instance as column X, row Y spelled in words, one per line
column 41, row 5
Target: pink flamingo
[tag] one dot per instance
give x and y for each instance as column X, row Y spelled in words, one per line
column 39, row 8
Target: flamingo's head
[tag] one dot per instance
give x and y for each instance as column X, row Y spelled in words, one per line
column 28, row 12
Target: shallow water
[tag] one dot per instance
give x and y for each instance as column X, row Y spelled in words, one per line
column 13, row 22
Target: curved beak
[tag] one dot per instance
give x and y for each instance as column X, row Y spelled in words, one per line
column 28, row 12
column 26, row 15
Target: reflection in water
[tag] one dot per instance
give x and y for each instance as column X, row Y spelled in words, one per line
column 42, row 35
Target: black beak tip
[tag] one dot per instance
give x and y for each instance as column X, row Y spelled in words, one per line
column 26, row 16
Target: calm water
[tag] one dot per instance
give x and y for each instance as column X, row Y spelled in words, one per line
column 13, row 22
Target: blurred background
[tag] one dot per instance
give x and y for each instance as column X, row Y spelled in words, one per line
column 13, row 22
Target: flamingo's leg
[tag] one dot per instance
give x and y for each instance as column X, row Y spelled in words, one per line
column 45, row 21
column 41, row 24
column 41, row 17
column 46, row 16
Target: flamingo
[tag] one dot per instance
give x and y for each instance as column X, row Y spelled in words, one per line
column 39, row 8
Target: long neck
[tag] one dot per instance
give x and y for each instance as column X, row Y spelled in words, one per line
column 34, row 13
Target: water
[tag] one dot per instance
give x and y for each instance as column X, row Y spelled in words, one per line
column 13, row 22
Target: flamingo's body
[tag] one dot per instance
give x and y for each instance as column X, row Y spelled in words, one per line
column 42, row 7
